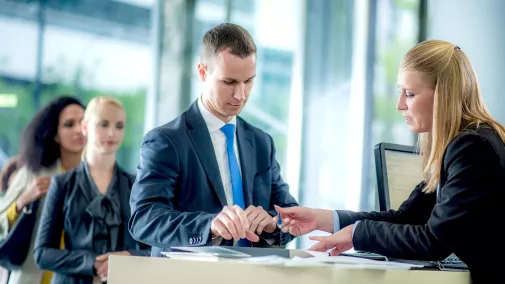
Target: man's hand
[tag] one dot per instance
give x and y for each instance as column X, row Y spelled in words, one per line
column 232, row 223
column 260, row 220
column 36, row 190
column 102, row 263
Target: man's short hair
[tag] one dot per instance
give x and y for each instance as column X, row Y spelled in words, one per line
column 224, row 36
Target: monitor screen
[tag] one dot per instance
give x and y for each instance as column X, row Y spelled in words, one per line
column 404, row 172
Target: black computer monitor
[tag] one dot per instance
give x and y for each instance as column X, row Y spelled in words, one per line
column 399, row 170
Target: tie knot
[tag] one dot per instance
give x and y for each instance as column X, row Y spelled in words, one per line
column 228, row 130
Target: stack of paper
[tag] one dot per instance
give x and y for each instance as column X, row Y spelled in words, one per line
column 299, row 258
column 352, row 262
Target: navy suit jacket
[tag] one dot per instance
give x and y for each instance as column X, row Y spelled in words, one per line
column 178, row 190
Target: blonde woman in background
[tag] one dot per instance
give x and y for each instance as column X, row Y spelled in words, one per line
column 51, row 143
column 458, row 208
column 90, row 204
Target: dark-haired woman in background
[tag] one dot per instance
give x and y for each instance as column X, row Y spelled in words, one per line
column 51, row 143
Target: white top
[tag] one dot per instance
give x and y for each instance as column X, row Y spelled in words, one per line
column 218, row 138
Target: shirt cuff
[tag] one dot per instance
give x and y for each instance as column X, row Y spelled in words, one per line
column 12, row 214
column 336, row 222
column 354, row 228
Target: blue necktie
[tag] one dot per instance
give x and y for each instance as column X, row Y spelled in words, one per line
column 236, row 179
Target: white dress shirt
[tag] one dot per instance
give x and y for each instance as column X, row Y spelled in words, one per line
column 218, row 138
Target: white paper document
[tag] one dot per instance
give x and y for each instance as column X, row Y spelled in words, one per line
column 340, row 261
column 300, row 258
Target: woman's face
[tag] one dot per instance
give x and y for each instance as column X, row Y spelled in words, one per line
column 69, row 135
column 416, row 100
column 105, row 129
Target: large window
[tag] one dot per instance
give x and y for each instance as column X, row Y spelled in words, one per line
column 17, row 73
column 327, row 119
column 397, row 30
column 268, row 105
column 325, row 88
column 85, row 49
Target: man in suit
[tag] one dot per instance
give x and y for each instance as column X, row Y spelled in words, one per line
column 209, row 177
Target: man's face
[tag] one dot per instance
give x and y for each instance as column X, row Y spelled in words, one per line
column 227, row 83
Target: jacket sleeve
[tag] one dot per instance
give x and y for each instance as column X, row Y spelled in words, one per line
column 473, row 173
column 47, row 253
column 154, row 220
column 415, row 210
column 280, row 196
column 141, row 248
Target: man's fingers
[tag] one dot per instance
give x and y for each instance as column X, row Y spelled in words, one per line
column 251, row 236
column 256, row 222
column 252, row 214
column 221, row 230
column 249, row 210
column 265, row 222
column 244, row 222
column 237, row 223
column 229, row 224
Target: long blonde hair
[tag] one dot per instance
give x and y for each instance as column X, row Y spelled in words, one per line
column 457, row 104
column 92, row 109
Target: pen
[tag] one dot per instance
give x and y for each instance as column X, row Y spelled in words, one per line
column 279, row 221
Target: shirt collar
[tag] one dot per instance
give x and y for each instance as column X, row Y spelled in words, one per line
column 213, row 123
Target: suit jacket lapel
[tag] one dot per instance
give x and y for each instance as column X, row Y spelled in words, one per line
column 246, row 154
column 124, row 184
column 84, row 182
column 202, row 143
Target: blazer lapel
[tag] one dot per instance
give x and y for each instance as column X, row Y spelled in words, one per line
column 202, row 143
column 84, row 182
column 124, row 185
column 246, row 154
column 123, row 188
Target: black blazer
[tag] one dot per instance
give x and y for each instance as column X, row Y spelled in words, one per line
column 464, row 218
column 65, row 209
column 178, row 191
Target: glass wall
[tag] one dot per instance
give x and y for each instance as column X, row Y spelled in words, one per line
column 321, row 65
column 18, row 57
column 482, row 39
column 85, row 49
column 329, row 53
column 396, row 31
column 268, row 105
